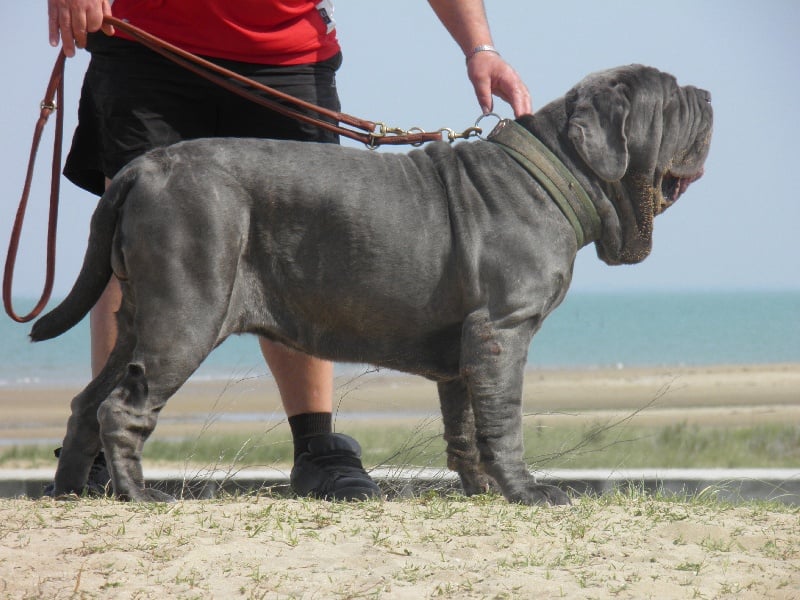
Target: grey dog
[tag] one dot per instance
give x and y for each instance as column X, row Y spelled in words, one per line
column 441, row 262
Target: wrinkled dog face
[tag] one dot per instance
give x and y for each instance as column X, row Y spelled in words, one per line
column 647, row 139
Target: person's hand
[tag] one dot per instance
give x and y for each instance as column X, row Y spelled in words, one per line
column 491, row 75
column 70, row 20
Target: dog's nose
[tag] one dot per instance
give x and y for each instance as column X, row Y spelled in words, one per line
column 706, row 95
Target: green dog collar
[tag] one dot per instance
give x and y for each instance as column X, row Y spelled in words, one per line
column 568, row 194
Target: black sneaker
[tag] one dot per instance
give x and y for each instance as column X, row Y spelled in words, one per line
column 99, row 482
column 331, row 469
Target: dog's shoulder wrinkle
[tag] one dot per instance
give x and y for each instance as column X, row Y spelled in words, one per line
column 437, row 157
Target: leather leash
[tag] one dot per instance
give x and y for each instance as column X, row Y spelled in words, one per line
column 53, row 100
column 372, row 134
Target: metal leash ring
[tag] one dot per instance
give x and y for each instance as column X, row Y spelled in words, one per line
column 482, row 117
column 382, row 130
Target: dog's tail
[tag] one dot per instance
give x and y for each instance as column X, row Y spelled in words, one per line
column 96, row 270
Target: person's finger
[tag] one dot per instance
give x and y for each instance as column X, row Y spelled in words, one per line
column 94, row 19
column 52, row 23
column 520, row 99
column 107, row 29
column 79, row 25
column 507, row 85
column 483, row 92
column 65, row 28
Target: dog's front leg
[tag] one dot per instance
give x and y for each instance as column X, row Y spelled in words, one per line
column 493, row 365
column 459, row 433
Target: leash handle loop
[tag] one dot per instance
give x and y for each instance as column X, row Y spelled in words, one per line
column 53, row 101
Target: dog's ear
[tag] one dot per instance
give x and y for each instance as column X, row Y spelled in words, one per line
column 597, row 130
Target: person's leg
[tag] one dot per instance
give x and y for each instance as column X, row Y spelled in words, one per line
column 102, row 338
column 103, row 322
column 327, row 464
column 304, row 382
column 103, row 325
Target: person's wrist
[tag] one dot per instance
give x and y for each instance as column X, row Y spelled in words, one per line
column 481, row 48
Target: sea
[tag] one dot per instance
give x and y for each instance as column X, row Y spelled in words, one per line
column 590, row 330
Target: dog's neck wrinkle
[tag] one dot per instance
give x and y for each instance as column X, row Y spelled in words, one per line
column 547, row 125
column 550, row 125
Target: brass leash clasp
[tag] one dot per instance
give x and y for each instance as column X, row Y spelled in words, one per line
column 449, row 135
column 452, row 136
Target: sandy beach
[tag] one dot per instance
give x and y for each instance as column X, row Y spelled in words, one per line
column 259, row 547
column 720, row 395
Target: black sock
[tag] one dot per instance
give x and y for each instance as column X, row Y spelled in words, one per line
column 306, row 425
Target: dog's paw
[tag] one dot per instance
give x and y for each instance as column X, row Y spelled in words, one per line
column 146, row 495
column 538, row 494
column 475, row 482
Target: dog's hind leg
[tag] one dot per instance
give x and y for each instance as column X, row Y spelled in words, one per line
column 126, row 421
column 170, row 345
column 459, row 433
column 82, row 440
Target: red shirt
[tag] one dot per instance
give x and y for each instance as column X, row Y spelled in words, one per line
column 276, row 32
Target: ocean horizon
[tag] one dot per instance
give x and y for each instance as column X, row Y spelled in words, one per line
column 590, row 330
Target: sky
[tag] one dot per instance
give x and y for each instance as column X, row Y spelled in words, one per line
column 734, row 229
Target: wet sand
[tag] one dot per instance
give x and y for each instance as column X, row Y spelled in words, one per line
column 705, row 395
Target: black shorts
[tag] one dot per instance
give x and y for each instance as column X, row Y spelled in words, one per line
column 134, row 100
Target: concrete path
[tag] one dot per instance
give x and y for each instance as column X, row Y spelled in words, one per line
column 733, row 485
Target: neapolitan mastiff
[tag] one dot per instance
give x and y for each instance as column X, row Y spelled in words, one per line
column 441, row 262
